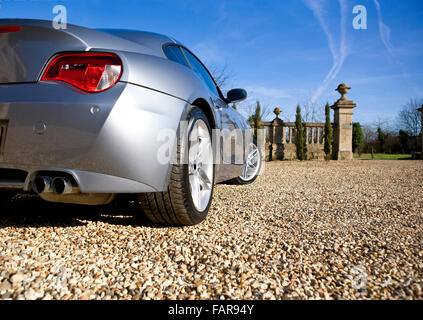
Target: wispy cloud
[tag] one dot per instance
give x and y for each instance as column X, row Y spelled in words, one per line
column 339, row 53
column 385, row 36
column 222, row 14
column 384, row 31
column 273, row 93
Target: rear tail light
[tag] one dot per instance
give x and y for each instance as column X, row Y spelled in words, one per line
column 92, row 72
column 7, row 29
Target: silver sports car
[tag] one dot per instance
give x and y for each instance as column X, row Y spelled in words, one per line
column 88, row 114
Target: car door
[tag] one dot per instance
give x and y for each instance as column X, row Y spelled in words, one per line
column 232, row 146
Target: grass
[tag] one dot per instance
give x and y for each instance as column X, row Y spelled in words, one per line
column 383, row 156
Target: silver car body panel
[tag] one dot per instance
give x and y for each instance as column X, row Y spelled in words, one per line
column 105, row 142
column 112, row 150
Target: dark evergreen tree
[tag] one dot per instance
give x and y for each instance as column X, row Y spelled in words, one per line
column 299, row 136
column 328, row 134
column 256, row 119
column 358, row 138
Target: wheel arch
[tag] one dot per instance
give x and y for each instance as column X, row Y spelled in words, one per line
column 205, row 107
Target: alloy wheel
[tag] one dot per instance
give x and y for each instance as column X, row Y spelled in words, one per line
column 200, row 167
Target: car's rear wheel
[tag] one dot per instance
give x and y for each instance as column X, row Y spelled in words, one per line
column 189, row 195
column 252, row 166
column 6, row 196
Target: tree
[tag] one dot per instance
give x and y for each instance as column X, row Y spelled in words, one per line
column 405, row 141
column 410, row 120
column 250, row 109
column 256, row 119
column 358, row 138
column 381, row 137
column 299, row 136
column 311, row 109
column 328, row 135
column 369, row 134
column 369, row 138
column 222, row 76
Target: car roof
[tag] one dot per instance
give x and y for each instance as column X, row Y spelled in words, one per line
column 143, row 41
column 154, row 41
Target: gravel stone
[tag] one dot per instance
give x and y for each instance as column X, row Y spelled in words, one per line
column 303, row 230
column 17, row 277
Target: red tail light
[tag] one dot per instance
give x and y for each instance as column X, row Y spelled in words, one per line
column 7, row 29
column 92, row 72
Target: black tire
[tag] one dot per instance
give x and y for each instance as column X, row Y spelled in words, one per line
column 175, row 206
column 6, row 196
column 241, row 182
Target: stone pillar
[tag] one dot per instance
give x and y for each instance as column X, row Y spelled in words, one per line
column 306, row 134
column 276, row 146
column 421, row 133
column 343, row 126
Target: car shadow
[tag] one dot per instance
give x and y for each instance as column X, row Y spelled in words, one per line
column 26, row 210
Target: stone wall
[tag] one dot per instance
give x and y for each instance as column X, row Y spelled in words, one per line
column 280, row 140
column 280, row 135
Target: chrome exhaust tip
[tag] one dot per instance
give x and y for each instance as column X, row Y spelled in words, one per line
column 42, row 184
column 61, row 185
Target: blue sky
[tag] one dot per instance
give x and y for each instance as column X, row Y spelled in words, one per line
column 283, row 52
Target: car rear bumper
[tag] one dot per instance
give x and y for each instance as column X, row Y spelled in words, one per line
column 107, row 141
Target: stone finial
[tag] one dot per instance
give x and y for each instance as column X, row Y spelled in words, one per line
column 277, row 111
column 343, row 89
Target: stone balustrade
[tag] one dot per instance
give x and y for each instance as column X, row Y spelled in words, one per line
column 280, row 140
column 280, row 135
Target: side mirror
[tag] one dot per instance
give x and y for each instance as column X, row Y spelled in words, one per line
column 236, row 95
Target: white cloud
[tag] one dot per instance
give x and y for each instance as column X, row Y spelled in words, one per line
column 339, row 53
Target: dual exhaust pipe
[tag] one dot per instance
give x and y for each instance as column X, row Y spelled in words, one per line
column 57, row 185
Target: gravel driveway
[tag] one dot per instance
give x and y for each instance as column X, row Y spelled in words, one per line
column 338, row 230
